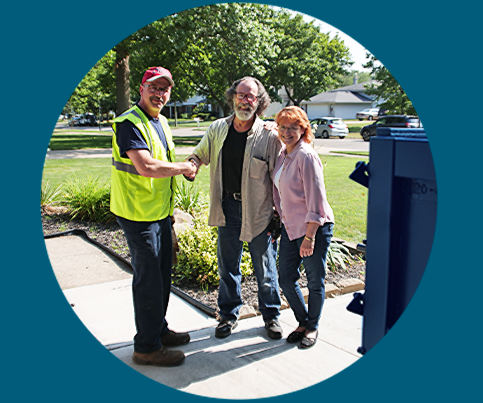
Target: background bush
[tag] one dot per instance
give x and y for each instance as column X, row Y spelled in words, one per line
column 88, row 199
column 197, row 259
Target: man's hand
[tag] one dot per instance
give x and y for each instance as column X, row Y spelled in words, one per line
column 190, row 175
column 270, row 125
column 189, row 168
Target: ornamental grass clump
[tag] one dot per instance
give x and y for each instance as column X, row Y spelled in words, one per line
column 337, row 256
column 49, row 194
column 88, row 199
column 189, row 199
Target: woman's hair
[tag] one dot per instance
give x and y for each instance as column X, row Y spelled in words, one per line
column 263, row 97
column 294, row 114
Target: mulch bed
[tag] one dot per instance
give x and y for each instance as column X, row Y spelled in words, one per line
column 55, row 220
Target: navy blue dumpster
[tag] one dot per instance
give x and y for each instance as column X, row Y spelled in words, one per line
column 401, row 220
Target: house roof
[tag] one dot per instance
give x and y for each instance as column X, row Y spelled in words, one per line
column 350, row 94
column 339, row 97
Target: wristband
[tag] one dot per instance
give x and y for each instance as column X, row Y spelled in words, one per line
column 309, row 239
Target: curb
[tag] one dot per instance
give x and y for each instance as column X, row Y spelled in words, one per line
column 345, row 286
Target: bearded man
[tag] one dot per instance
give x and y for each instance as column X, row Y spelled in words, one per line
column 242, row 154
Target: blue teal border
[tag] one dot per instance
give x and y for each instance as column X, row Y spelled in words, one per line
column 431, row 48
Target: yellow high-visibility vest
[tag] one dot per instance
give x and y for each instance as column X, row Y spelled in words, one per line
column 135, row 197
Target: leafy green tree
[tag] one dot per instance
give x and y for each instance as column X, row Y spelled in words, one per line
column 388, row 92
column 307, row 61
column 96, row 89
column 216, row 44
column 207, row 48
column 153, row 47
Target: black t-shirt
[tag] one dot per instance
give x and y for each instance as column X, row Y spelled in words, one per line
column 232, row 154
column 128, row 136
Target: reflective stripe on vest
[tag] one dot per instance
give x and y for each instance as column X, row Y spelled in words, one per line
column 121, row 166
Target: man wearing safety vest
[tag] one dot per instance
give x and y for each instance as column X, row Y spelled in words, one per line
column 142, row 198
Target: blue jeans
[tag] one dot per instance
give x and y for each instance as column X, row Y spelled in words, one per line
column 264, row 256
column 151, row 250
column 289, row 264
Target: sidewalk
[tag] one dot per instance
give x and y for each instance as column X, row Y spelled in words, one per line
column 99, row 153
column 245, row 365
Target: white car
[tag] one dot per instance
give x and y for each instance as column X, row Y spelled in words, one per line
column 369, row 114
column 329, row 127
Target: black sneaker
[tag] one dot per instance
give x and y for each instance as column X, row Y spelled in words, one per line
column 274, row 329
column 225, row 328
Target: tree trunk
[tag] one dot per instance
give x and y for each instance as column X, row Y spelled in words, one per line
column 175, row 115
column 226, row 110
column 123, row 93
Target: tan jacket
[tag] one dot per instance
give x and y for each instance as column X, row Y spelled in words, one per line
column 261, row 154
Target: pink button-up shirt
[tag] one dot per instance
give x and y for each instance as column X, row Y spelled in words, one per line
column 301, row 190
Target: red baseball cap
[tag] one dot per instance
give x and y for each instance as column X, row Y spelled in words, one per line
column 153, row 73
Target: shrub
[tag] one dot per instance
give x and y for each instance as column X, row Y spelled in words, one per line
column 88, row 199
column 197, row 260
column 204, row 115
column 199, row 108
column 49, row 194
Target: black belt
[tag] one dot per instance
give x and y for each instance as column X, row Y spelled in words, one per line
column 236, row 196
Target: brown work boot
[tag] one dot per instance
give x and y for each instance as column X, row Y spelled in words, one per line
column 172, row 339
column 160, row 358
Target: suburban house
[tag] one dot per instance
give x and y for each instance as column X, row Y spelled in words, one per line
column 342, row 102
column 188, row 106
column 182, row 107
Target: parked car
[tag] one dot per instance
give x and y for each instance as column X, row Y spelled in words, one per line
column 329, row 127
column 389, row 121
column 88, row 119
column 76, row 120
column 370, row 113
column 382, row 112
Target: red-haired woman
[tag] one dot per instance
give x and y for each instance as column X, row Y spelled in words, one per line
column 307, row 222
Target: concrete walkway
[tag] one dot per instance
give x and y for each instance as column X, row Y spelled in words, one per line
column 245, row 365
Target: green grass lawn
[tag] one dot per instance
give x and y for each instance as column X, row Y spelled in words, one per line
column 75, row 141
column 347, row 198
column 69, row 141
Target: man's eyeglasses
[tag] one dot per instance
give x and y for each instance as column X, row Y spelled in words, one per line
column 153, row 89
column 291, row 129
column 241, row 95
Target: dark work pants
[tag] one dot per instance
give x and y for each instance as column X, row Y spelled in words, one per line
column 151, row 250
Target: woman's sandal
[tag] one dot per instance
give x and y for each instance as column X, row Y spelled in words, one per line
column 294, row 337
column 307, row 342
